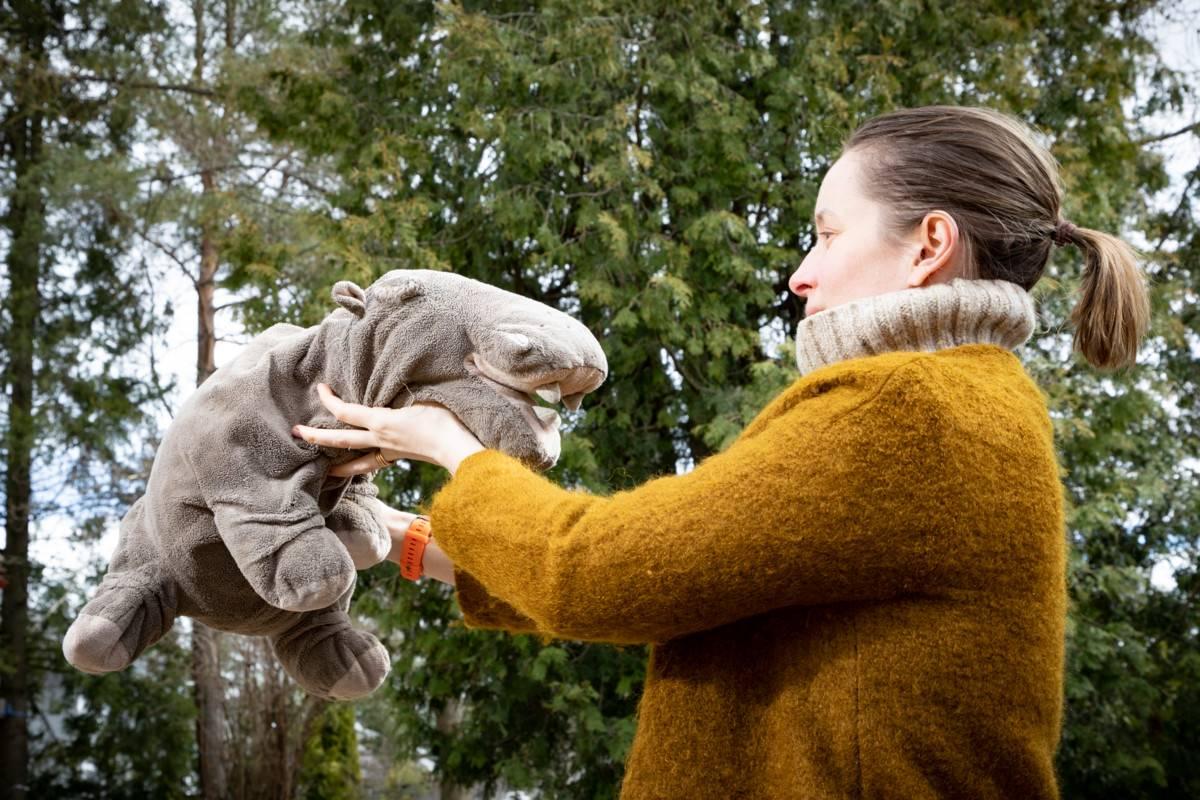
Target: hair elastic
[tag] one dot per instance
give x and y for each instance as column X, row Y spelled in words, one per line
column 1064, row 232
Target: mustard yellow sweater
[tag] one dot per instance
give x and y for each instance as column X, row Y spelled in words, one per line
column 862, row 597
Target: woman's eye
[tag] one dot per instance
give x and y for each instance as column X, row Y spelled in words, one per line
column 825, row 233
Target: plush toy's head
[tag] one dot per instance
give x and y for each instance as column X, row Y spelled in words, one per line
column 498, row 360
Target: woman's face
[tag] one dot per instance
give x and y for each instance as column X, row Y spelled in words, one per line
column 851, row 259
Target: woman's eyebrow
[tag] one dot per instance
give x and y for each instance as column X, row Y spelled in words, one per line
column 822, row 214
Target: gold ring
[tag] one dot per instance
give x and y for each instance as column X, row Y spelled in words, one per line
column 383, row 462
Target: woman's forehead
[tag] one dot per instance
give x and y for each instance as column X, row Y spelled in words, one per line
column 840, row 197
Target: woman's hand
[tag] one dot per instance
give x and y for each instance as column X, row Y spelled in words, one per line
column 422, row 432
column 434, row 563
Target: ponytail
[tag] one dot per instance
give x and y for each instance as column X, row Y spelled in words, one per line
column 1113, row 311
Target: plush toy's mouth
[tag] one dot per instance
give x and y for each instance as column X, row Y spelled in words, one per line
column 536, row 403
column 548, row 418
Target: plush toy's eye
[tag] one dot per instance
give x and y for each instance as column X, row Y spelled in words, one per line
column 518, row 341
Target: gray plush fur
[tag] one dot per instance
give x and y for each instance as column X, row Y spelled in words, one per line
column 242, row 528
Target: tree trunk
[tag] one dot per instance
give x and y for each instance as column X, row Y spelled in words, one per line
column 206, row 665
column 210, row 722
column 25, row 222
column 206, row 646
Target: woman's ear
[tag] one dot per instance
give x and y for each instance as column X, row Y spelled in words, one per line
column 351, row 297
column 939, row 249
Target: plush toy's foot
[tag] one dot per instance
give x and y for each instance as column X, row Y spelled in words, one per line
column 331, row 659
column 131, row 611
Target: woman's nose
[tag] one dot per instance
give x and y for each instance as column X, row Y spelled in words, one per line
column 797, row 286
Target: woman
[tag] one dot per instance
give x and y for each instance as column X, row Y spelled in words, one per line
column 864, row 595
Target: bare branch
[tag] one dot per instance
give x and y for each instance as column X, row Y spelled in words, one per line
column 161, row 87
column 169, row 253
column 1162, row 137
column 1173, row 220
column 694, row 382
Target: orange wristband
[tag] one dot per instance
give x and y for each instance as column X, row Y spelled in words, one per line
column 413, row 549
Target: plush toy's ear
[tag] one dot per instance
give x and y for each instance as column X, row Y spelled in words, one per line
column 396, row 291
column 350, row 296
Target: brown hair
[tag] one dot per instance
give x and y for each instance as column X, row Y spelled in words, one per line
column 1002, row 187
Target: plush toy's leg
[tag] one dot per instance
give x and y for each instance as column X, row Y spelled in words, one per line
column 131, row 611
column 331, row 659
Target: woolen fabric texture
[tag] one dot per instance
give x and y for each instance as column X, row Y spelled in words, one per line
column 925, row 318
column 863, row 596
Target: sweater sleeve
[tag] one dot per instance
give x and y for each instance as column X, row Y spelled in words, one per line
column 835, row 498
column 484, row 611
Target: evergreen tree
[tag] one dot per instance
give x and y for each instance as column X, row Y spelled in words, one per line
column 331, row 770
column 71, row 397
column 123, row 736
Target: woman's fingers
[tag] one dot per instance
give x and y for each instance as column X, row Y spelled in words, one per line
column 350, row 413
column 328, row 437
column 358, row 466
column 413, row 432
column 369, row 462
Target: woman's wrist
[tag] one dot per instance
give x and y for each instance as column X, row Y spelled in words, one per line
column 434, row 561
column 457, row 450
column 436, row 564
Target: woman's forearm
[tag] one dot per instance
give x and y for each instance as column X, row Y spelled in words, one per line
column 457, row 449
column 434, row 563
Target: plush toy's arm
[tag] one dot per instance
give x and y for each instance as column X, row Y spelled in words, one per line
column 267, row 515
column 290, row 558
column 359, row 522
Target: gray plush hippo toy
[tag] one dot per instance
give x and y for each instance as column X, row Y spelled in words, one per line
column 242, row 528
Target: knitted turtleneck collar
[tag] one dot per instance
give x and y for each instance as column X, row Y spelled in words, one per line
column 962, row 311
